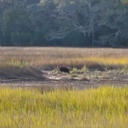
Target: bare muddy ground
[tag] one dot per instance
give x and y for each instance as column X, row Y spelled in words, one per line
column 90, row 78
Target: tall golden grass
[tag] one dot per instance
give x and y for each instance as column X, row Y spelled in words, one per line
column 51, row 56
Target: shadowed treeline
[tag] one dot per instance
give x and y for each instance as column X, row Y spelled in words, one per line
column 69, row 23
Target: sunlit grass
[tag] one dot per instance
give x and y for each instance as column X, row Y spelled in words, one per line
column 90, row 61
column 94, row 108
column 44, row 57
column 108, row 60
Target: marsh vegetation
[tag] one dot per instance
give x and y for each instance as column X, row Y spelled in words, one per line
column 34, row 93
column 29, row 108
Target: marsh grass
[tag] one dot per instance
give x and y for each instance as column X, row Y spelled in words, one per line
column 51, row 57
column 84, row 69
column 94, row 108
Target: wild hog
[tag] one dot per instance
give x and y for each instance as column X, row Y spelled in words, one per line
column 64, row 69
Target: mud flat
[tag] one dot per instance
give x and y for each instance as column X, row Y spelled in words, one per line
column 27, row 77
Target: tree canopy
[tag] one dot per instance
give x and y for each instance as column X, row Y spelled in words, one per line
column 75, row 23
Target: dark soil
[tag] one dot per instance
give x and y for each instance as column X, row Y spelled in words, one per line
column 31, row 77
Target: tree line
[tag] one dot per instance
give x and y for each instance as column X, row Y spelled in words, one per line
column 77, row 23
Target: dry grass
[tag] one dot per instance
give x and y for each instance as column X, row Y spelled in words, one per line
column 52, row 57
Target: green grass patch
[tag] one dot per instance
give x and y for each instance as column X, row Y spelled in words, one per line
column 94, row 108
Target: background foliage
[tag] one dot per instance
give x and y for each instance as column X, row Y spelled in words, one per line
column 64, row 23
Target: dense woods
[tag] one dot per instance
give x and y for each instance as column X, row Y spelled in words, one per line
column 64, row 23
